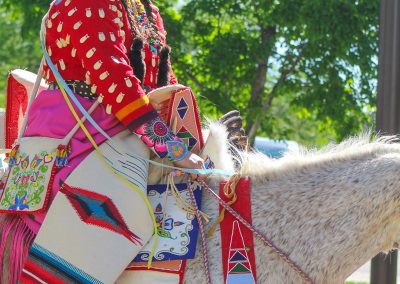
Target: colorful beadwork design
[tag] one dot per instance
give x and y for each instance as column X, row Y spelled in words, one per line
column 177, row 150
column 239, row 267
column 184, row 117
column 62, row 153
column 28, row 179
column 237, row 244
column 98, row 210
column 164, row 227
column 178, row 229
column 187, row 137
column 182, row 108
column 155, row 135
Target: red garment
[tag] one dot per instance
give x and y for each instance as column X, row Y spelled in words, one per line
column 90, row 40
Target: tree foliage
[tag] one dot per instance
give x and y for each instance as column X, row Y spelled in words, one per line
column 320, row 56
column 297, row 69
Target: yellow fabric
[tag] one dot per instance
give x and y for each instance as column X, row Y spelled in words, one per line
column 131, row 107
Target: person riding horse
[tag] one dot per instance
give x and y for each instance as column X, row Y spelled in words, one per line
column 113, row 51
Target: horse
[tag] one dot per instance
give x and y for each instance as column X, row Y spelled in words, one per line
column 330, row 211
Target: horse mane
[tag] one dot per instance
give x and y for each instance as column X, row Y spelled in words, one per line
column 259, row 166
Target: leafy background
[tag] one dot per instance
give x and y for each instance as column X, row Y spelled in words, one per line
column 303, row 70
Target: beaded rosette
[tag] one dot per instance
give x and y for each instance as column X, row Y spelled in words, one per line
column 32, row 165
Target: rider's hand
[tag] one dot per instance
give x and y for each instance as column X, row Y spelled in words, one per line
column 191, row 161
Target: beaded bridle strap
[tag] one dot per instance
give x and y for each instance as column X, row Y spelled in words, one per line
column 259, row 235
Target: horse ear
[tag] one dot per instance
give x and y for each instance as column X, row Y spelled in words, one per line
column 19, row 86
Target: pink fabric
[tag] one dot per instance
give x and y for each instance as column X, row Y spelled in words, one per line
column 49, row 116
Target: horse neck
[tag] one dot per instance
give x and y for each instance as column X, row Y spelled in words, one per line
column 330, row 218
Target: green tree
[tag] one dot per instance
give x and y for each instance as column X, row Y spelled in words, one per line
column 19, row 37
column 319, row 55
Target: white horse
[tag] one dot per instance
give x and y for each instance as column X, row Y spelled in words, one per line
column 330, row 211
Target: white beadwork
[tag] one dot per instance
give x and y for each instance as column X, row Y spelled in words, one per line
column 48, row 74
column 64, row 42
column 68, row 39
column 93, row 89
column 112, row 36
column 113, row 8
column 90, row 52
column 59, row 27
column 121, row 33
column 73, row 52
column 108, row 109
column 102, row 14
column 55, row 14
column 77, row 25
column 128, row 82
column 88, row 12
column 87, row 78
column 62, row 64
column 72, row 11
column 120, row 97
column 118, row 22
column 100, row 98
column 104, row 75
column 102, row 36
column 112, row 88
column 97, row 65
column 59, row 43
column 84, row 38
column 49, row 51
column 153, row 61
column 67, row 3
column 49, row 24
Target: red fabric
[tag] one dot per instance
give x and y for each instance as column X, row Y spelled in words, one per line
column 32, row 273
column 76, row 27
column 17, row 101
column 233, row 231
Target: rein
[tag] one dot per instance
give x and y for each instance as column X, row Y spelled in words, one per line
column 260, row 236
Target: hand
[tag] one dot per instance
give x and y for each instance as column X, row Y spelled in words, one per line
column 191, row 161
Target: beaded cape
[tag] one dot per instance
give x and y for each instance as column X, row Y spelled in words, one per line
column 116, row 47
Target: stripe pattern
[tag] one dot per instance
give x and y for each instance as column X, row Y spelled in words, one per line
column 44, row 267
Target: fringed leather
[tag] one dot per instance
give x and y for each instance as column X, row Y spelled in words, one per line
column 137, row 60
column 163, row 68
column 15, row 240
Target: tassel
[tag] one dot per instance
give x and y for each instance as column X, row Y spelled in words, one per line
column 62, row 153
column 15, row 241
column 136, row 59
column 163, row 67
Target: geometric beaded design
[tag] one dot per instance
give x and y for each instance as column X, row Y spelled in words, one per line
column 98, row 210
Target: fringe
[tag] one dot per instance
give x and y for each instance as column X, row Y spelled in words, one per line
column 15, row 240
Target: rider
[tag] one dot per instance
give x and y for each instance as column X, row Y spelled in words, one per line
column 113, row 51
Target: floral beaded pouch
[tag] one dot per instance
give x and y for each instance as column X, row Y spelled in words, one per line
column 32, row 165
